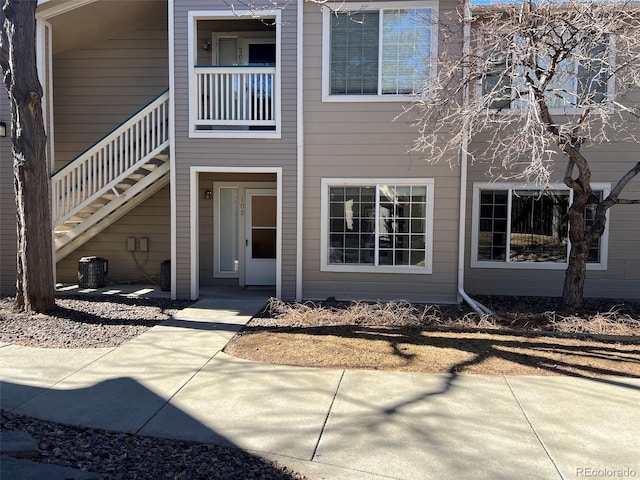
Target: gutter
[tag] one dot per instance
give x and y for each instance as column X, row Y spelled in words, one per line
column 466, row 52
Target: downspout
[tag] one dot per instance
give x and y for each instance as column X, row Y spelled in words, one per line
column 466, row 52
column 172, row 150
column 299, row 150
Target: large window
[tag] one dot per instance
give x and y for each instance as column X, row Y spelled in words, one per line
column 382, row 226
column 579, row 80
column 381, row 52
column 522, row 227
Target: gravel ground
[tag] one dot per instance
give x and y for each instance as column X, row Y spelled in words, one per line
column 85, row 322
column 121, row 456
column 92, row 322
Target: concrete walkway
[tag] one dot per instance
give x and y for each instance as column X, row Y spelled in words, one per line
column 174, row 381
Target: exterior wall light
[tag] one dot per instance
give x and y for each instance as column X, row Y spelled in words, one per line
column 3, row 129
column 208, row 194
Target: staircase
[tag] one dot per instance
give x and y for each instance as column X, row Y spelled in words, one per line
column 111, row 178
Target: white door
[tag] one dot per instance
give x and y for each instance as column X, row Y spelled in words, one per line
column 260, row 266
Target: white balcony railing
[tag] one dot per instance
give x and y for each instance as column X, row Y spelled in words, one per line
column 235, row 97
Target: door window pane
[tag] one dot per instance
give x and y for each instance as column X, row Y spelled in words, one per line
column 263, row 244
column 263, row 211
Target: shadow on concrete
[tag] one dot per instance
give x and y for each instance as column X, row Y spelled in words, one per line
column 123, row 405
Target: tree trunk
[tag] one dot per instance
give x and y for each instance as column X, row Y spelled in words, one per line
column 576, row 273
column 35, row 288
column 575, row 276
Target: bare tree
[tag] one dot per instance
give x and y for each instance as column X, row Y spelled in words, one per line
column 35, row 289
column 537, row 82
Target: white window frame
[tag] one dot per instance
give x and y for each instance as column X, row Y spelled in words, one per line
column 571, row 110
column 325, row 266
column 605, row 188
column 371, row 6
column 194, row 17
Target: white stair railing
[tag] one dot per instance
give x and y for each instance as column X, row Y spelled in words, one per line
column 104, row 165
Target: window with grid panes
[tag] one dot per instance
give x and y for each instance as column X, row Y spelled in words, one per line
column 378, row 225
column 528, row 226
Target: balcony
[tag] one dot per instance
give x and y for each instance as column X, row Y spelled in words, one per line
column 235, row 98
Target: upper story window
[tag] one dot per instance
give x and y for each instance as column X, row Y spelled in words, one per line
column 581, row 79
column 377, row 226
column 519, row 226
column 383, row 52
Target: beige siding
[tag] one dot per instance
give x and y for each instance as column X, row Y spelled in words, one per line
column 96, row 87
column 362, row 140
column 203, row 152
column 622, row 277
column 150, row 220
column 99, row 85
column 7, row 207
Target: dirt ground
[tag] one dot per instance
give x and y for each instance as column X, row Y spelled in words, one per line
column 529, row 338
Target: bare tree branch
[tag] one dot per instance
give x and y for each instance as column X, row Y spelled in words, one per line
column 4, row 41
column 547, row 80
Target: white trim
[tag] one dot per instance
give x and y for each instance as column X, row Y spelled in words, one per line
column 325, row 266
column 299, row 150
column 240, row 134
column 62, row 8
column 172, row 149
column 44, row 58
column 192, row 51
column 194, row 227
column 194, row 213
column 331, row 9
column 475, row 212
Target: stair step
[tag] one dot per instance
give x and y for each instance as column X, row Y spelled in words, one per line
column 83, row 215
column 162, row 156
column 154, row 163
column 139, row 174
column 126, row 184
column 90, row 210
